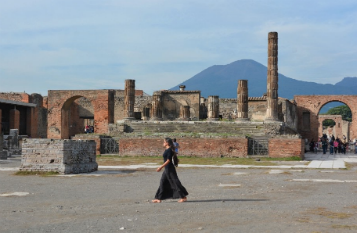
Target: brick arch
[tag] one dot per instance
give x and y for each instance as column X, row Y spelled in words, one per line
column 312, row 104
column 338, row 124
column 59, row 103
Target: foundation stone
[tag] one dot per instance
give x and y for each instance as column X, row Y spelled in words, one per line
column 63, row 156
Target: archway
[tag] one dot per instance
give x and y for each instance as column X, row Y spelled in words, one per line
column 77, row 112
column 59, row 108
column 308, row 108
column 338, row 116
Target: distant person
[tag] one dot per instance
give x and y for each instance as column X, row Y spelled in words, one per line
column 170, row 185
column 335, row 146
column 177, row 146
column 312, row 145
column 331, row 146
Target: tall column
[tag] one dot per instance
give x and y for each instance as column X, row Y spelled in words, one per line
column 242, row 100
column 213, row 108
column 156, row 108
column 272, row 82
column 129, row 99
column 0, row 124
column 14, row 120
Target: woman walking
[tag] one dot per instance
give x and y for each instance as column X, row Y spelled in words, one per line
column 170, row 185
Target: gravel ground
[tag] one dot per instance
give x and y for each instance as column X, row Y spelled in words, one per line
column 220, row 200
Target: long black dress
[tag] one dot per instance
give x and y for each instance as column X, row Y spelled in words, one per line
column 170, row 185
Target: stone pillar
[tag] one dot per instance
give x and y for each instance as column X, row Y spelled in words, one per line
column 242, row 100
column 146, row 113
column 272, row 82
column 3, row 154
column 203, row 108
column 14, row 120
column 0, row 121
column 213, row 108
column 129, row 99
column 185, row 113
column 156, row 107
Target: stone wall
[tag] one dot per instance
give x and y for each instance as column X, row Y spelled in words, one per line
column 286, row 147
column 63, row 156
column 173, row 100
column 200, row 147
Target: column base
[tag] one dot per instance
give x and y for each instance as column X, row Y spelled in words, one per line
column 242, row 119
column 212, row 119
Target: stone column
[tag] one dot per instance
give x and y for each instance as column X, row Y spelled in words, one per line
column 242, row 100
column 146, row 113
column 14, row 120
column 0, row 122
column 185, row 113
column 3, row 154
column 156, row 107
column 129, row 99
column 272, row 82
column 213, row 108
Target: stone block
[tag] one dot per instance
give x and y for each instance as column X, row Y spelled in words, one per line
column 63, row 156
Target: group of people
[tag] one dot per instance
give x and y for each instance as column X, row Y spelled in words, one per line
column 170, row 185
column 336, row 145
column 89, row 129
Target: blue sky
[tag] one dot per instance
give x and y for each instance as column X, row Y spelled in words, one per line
column 97, row 44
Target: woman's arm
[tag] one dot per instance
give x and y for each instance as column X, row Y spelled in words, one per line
column 162, row 166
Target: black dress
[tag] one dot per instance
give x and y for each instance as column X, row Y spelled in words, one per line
column 170, row 185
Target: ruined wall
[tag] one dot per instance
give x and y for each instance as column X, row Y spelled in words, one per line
column 173, row 100
column 59, row 103
column 286, row 147
column 140, row 103
column 15, row 96
column 63, row 156
column 289, row 113
column 200, row 147
column 308, row 107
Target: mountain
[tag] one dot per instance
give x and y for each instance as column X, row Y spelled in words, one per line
column 222, row 80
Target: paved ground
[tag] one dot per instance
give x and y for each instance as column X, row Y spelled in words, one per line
column 222, row 199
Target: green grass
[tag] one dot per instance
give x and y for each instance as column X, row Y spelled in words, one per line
column 35, row 173
column 112, row 160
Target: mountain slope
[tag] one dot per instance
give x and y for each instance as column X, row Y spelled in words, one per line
column 222, row 80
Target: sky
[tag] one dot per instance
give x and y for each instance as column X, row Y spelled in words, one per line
column 98, row 44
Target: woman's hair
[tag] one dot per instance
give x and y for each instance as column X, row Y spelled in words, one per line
column 175, row 159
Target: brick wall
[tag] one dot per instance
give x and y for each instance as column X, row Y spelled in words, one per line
column 63, row 156
column 286, row 147
column 313, row 103
column 200, row 147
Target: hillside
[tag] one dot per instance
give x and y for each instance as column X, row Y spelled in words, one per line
column 222, row 80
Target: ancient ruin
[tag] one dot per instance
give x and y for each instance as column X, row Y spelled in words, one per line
column 62, row 156
column 122, row 119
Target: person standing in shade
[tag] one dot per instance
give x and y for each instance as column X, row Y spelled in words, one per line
column 170, row 185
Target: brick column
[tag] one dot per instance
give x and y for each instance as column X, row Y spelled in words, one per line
column 129, row 99
column 272, row 82
column 242, row 100
column 14, row 119
column 156, row 108
column 213, row 108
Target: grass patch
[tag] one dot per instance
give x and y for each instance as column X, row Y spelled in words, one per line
column 349, row 227
column 113, row 160
column 293, row 158
column 329, row 214
column 35, row 173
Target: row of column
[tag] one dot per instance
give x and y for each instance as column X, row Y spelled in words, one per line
column 213, row 101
